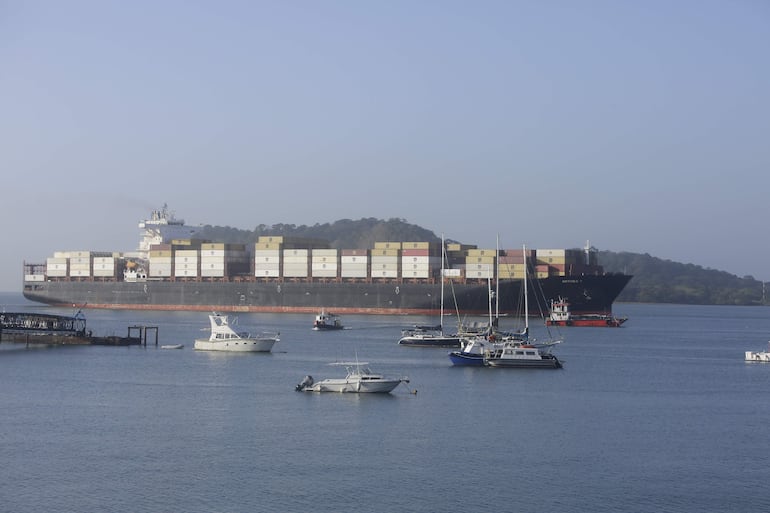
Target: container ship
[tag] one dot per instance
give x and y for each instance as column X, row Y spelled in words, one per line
column 173, row 270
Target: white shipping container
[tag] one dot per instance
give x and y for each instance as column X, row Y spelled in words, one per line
column 478, row 273
column 385, row 265
column 324, row 265
column 160, row 270
column 324, row 273
column 295, row 271
column 354, row 259
column 186, row 273
column 324, row 253
column 104, row 273
column 80, row 260
column 213, row 273
column 267, row 252
column 453, row 273
column 384, row 273
column 550, row 252
column 104, row 260
column 186, row 266
column 80, row 273
column 267, row 273
column 295, row 253
column 34, row 277
column 352, row 272
column 56, row 260
column 267, row 260
column 415, row 267
column 209, row 266
column 160, row 260
column 56, row 268
column 415, row 274
column 56, row 273
column 268, row 267
column 295, row 258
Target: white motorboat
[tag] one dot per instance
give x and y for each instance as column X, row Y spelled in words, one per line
column 172, row 346
column 758, row 356
column 359, row 380
column 224, row 338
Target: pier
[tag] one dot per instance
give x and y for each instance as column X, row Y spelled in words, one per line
column 48, row 329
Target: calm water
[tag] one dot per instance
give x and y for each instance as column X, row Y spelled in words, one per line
column 660, row 415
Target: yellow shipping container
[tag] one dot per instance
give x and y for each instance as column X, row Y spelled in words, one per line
column 387, row 245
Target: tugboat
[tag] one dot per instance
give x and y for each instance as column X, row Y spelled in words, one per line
column 561, row 316
column 327, row 321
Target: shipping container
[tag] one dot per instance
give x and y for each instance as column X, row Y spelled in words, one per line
column 387, row 245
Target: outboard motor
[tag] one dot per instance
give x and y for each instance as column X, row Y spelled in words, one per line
column 306, row 382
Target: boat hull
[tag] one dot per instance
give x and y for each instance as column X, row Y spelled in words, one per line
column 354, row 387
column 546, row 362
column 590, row 293
column 459, row 358
column 236, row 345
column 326, row 327
column 604, row 322
column 429, row 341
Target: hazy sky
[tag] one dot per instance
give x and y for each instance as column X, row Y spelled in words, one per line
column 641, row 126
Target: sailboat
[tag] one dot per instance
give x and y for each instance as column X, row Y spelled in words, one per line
column 474, row 347
column 431, row 336
column 523, row 353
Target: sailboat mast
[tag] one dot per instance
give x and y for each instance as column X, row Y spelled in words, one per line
column 443, row 256
column 526, row 278
column 497, row 278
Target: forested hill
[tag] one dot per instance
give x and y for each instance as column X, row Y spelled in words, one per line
column 663, row 281
column 655, row 280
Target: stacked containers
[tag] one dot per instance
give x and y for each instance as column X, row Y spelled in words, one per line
column 186, row 263
column 420, row 260
column 58, row 265
column 104, row 265
column 80, row 264
column 385, row 260
column 295, row 263
column 354, row 263
column 480, row 264
column 267, row 258
column 324, row 263
column 161, row 260
column 559, row 262
column 219, row 260
column 511, row 263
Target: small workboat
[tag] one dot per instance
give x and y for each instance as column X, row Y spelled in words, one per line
column 172, row 346
column 327, row 321
column 758, row 356
column 359, row 380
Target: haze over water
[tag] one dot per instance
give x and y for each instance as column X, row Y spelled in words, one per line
column 662, row 414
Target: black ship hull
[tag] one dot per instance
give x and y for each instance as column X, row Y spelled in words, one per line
column 587, row 294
